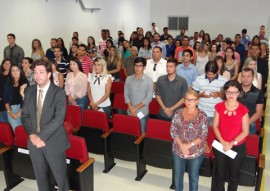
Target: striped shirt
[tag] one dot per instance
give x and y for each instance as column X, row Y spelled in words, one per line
column 87, row 65
column 63, row 66
column 203, row 84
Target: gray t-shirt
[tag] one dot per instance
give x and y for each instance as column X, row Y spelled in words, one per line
column 129, row 65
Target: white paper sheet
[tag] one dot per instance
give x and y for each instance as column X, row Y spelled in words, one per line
column 230, row 153
column 140, row 115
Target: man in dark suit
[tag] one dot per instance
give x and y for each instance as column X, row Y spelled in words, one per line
column 43, row 117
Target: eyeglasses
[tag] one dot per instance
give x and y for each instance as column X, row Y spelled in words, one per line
column 231, row 93
column 190, row 100
column 155, row 66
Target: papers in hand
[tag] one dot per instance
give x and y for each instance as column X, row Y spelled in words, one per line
column 140, row 115
column 230, row 153
column 101, row 110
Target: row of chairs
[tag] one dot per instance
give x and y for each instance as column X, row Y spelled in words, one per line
column 125, row 141
column 16, row 163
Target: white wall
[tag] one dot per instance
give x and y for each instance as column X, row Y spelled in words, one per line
column 29, row 19
column 214, row 16
column 42, row 19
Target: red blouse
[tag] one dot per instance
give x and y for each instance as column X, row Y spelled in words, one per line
column 230, row 126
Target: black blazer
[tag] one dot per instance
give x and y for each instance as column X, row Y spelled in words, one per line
column 52, row 130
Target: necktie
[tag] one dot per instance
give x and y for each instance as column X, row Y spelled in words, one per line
column 39, row 109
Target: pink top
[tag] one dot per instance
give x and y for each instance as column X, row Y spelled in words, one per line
column 76, row 86
column 230, row 126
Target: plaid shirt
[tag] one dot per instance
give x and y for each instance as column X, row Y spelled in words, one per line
column 187, row 131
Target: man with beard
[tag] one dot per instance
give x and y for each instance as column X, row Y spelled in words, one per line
column 160, row 44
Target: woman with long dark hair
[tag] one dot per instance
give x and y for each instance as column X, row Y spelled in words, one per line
column 13, row 96
column 76, row 85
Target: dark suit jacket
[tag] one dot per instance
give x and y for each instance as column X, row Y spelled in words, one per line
column 53, row 113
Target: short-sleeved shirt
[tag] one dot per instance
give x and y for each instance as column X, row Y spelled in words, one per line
column 170, row 91
column 179, row 50
column 230, row 126
column 203, row 84
column 251, row 98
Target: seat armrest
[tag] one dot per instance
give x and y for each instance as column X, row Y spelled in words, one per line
column 140, row 139
column 76, row 129
column 4, row 149
column 261, row 132
column 85, row 165
column 106, row 134
column 262, row 161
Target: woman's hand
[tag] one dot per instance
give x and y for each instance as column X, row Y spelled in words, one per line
column 227, row 145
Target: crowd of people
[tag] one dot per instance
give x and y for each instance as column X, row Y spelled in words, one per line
column 198, row 82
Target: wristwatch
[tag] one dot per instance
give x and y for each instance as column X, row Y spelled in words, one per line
column 235, row 142
column 192, row 144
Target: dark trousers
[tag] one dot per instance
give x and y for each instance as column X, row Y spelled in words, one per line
column 160, row 117
column 225, row 164
column 45, row 162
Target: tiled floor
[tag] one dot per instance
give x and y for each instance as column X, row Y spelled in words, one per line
column 121, row 178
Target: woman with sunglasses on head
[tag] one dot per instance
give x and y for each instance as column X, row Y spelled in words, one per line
column 231, row 126
column 189, row 131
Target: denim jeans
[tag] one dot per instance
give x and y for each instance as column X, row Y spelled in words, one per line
column 143, row 122
column 14, row 122
column 107, row 110
column 252, row 128
column 82, row 102
column 3, row 116
column 193, row 168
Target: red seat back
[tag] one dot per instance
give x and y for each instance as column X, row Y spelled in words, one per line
column 68, row 127
column 117, row 87
column 210, row 138
column 127, row 125
column 122, row 75
column 95, row 119
column 158, row 129
column 154, row 107
column 6, row 135
column 20, row 137
column 77, row 149
column 252, row 144
column 74, row 115
column 119, row 102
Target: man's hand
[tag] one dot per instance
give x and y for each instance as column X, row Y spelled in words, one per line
column 132, row 111
column 167, row 111
column 37, row 141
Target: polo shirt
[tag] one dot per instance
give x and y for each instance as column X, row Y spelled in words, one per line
column 251, row 98
column 170, row 91
column 203, row 84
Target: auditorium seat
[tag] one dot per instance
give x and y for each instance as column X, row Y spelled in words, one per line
column 158, row 145
column 126, row 142
column 95, row 130
column 153, row 109
column 74, row 116
column 80, row 166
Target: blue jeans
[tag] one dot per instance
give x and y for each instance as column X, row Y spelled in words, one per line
column 193, row 167
column 3, row 116
column 252, row 128
column 143, row 122
column 82, row 102
column 14, row 122
column 210, row 121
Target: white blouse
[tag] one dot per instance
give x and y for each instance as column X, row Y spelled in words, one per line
column 98, row 87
